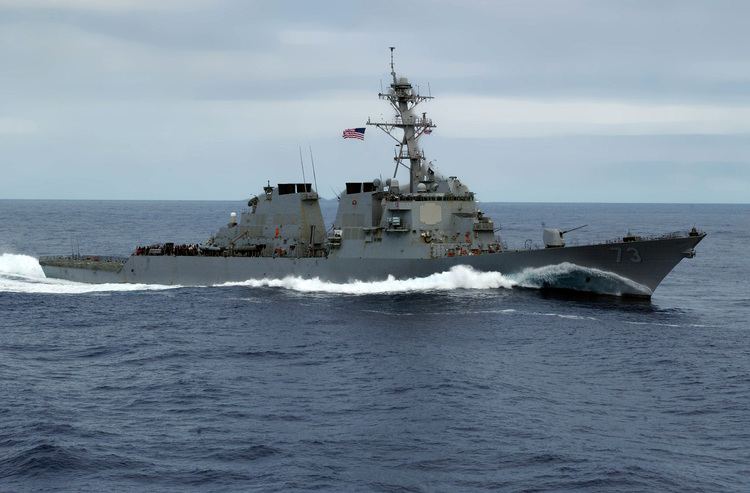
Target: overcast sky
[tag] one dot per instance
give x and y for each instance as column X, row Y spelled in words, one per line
column 627, row 101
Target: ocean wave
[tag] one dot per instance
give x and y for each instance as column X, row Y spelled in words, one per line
column 458, row 277
column 559, row 276
column 42, row 458
column 571, row 276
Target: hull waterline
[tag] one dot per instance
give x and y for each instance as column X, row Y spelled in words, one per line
column 627, row 268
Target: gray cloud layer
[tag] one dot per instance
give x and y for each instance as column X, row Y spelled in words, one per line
column 199, row 99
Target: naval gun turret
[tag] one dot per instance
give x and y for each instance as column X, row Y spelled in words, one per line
column 554, row 238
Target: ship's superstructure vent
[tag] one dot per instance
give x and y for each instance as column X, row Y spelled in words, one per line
column 364, row 187
column 287, row 188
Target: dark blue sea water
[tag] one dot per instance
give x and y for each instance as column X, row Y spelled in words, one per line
column 280, row 389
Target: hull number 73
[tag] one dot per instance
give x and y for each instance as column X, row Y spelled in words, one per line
column 630, row 254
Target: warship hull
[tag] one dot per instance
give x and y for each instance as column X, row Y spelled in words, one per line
column 633, row 268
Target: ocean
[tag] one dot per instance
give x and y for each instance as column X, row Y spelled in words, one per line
column 445, row 383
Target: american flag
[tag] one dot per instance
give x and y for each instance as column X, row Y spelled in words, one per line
column 354, row 133
column 427, row 131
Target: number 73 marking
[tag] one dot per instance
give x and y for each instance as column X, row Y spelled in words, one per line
column 631, row 253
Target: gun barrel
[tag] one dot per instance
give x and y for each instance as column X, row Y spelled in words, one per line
column 573, row 229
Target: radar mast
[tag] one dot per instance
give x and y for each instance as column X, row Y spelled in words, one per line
column 404, row 98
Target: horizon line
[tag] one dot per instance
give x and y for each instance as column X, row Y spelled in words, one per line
column 334, row 199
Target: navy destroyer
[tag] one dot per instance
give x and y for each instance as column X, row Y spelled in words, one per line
column 425, row 224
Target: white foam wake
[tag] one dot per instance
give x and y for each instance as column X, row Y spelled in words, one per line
column 459, row 277
column 23, row 274
column 562, row 276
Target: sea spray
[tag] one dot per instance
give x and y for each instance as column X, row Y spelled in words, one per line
column 458, row 277
column 20, row 265
column 561, row 276
column 55, row 286
column 23, row 274
column 570, row 276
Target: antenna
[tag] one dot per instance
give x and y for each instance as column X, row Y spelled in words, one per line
column 393, row 70
column 312, row 160
column 403, row 99
column 302, row 164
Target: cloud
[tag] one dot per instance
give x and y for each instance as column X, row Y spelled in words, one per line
column 99, row 5
column 165, row 86
column 16, row 126
column 476, row 117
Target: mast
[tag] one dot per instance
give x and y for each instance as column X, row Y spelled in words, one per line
column 404, row 98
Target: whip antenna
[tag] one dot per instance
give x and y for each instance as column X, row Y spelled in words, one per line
column 393, row 70
column 302, row 164
column 312, row 160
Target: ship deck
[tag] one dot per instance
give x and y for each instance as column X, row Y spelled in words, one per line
column 92, row 262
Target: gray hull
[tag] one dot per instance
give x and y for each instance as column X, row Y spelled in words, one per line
column 633, row 268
